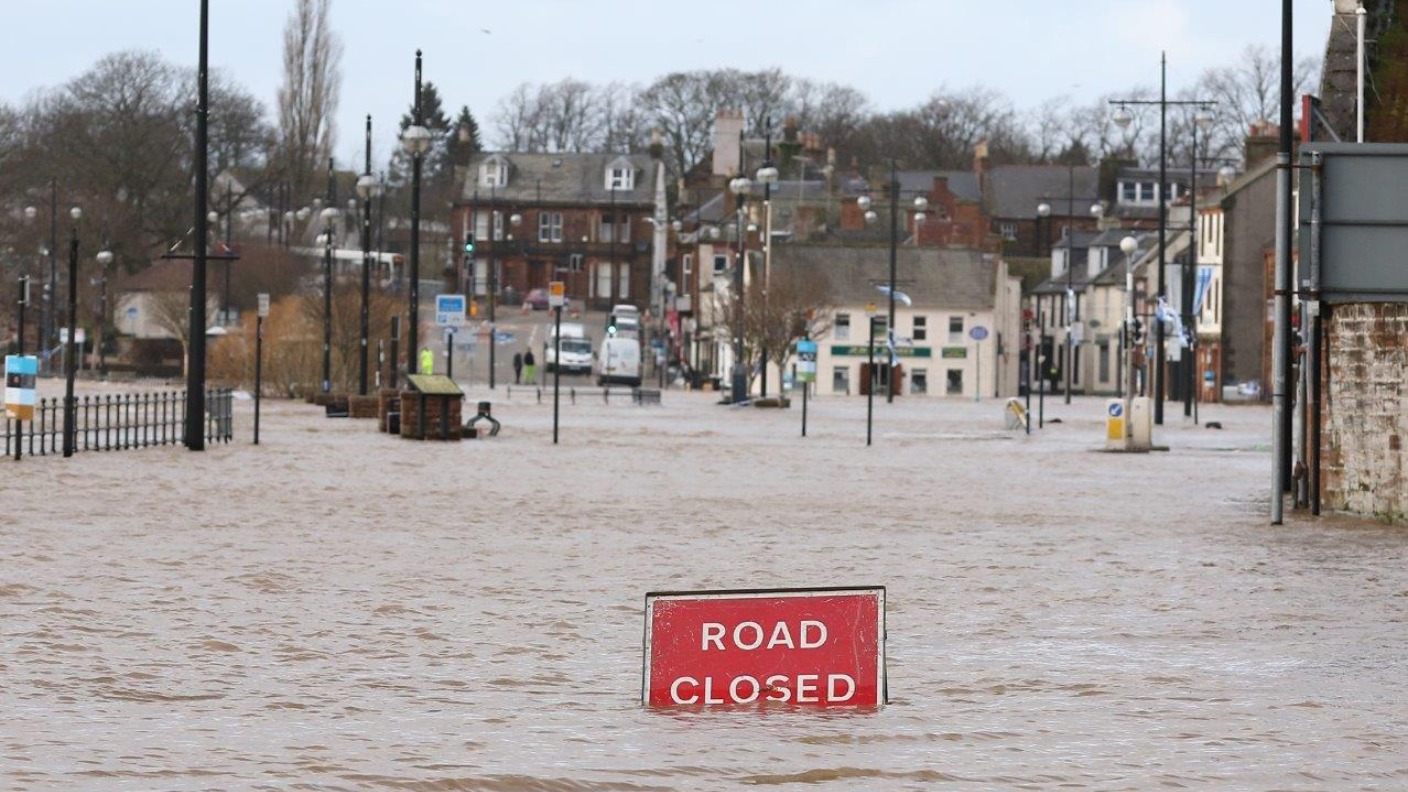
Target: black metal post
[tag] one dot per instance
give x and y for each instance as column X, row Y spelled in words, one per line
column 767, row 253
column 71, row 347
column 412, row 346
column 364, row 327
column 870, row 379
column 1156, row 371
column 450, row 352
column 1190, row 363
column 395, row 352
column 492, row 276
column 51, row 294
column 557, row 366
column 1070, row 301
column 258, row 370
column 739, row 380
column 102, row 325
column 327, row 282
column 894, row 243
column 229, row 237
column 23, row 301
column 195, row 368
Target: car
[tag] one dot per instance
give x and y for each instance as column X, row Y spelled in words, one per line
column 537, row 299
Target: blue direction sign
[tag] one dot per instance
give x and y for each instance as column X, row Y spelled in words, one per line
column 978, row 333
column 449, row 310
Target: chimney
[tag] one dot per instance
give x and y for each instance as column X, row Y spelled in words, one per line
column 728, row 126
column 1263, row 142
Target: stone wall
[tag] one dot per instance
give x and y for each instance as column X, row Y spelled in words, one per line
column 1364, row 420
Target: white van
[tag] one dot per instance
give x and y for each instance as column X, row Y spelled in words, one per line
column 576, row 349
column 618, row 362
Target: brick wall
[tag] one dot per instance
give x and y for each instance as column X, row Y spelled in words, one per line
column 1364, row 421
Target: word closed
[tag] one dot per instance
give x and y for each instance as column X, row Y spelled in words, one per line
column 801, row 647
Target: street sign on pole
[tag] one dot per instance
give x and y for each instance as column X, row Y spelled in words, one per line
column 449, row 310
column 557, row 294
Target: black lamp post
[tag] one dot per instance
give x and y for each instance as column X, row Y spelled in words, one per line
column 416, row 141
column 767, row 176
column 740, row 187
column 329, row 214
column 1122, row 118
column 920, row 205
column 71, row 347
column 105, row 258
column 366, row 188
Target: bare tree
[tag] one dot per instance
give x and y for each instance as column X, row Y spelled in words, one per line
column 783, row 308
column 309, row 94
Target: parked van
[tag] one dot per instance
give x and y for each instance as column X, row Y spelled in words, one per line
column 624, row 320
column 576, row 349
column 618, row 361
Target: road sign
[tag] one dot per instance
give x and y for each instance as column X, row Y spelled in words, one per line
column 978, row 333
column 264, row 304
column 449, row 310
column 806, row 361
column 20, row 374
column 557, row 294
column 820, row 647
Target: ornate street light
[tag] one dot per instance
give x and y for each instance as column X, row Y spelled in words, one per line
column 415, row 139
column 367, row 188
column 70, row 347
column 105, row 259
column 740, row 187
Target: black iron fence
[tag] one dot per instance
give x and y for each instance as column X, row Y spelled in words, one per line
column 114, row 423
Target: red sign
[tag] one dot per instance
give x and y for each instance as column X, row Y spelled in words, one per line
column 801, row 647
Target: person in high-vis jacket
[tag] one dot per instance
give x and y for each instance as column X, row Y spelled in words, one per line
column 427, row 361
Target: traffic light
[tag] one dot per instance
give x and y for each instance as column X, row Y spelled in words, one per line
column 469, row 244
column 611, row 324
column 1138, row 333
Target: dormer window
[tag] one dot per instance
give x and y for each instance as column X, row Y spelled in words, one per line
column 493, row 172
column 621, row 175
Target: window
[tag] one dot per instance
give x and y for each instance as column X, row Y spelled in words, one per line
column 481, row 225
column 1104, row 361
column 841, row 380
column 955, row 329
column 1008, row 230
column 624, row 285
column 550, row 226
column 720, row 264
column 621, row 176
column 954, row 385
column 615, row 228
column 919, row 381
column 602, row 283
column 493, row 173
column 686, row 266
column 842, row 329
column 498, row 221
column 574, row 262
column 921, row 328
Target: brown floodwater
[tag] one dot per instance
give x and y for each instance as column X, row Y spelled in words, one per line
column 336, row 609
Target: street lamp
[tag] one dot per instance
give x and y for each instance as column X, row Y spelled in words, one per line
column 415, row 139
column 367, row 188
column 328, row 215
column 1202, row 119
column 105, row 258
column 1127, row 246
column 740, row 187
column 70, row 358
column 921, row 205
column 1122, row 119
column 767, row 176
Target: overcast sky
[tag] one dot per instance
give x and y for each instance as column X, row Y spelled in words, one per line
column 898, row 52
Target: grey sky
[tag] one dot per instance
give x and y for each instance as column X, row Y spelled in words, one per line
column 898, row 52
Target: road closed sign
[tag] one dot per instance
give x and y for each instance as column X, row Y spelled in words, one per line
column 820, row 647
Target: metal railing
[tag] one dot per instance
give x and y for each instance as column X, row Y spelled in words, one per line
column 116, row 423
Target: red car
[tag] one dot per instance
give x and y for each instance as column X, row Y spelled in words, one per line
column 537, row 299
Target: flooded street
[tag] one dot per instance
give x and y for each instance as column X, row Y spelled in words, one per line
column 337, row 609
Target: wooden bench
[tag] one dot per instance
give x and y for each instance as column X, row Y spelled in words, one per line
column 646, row 396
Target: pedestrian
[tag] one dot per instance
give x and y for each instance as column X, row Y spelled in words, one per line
column 517, row 366
column 530, row 368
column 427, row 361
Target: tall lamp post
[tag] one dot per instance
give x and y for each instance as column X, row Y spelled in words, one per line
column 1127, row 246
column 70, row 347
column 416, row 141
column 1122, row 119
column 767, row 176
column 366, row 188
column 1202, row 119
column 740, row 187
column 104, row 258
column 921, row 204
